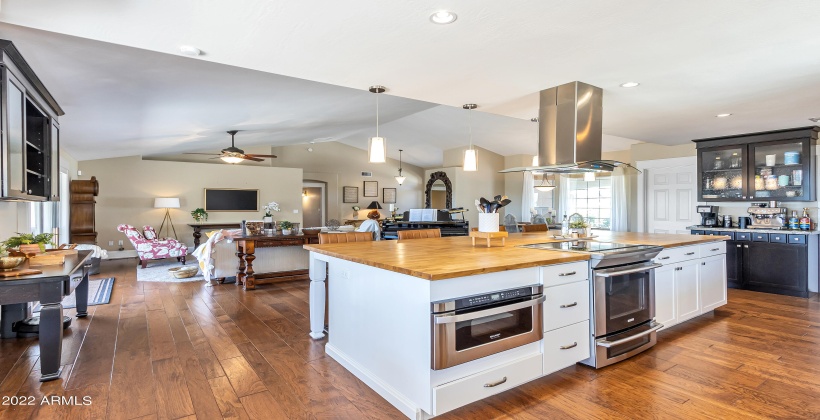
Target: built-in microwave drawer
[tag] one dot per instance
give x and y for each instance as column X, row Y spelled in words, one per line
column 712, row 248
column 566, row 304
column 673, row 255
column 481, row 385
column 554, row 275
column 566, row 346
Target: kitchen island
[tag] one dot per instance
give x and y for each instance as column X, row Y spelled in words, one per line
column 380, row 296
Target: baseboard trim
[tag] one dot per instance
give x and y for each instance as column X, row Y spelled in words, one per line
column 386, row 391
column 119, row 255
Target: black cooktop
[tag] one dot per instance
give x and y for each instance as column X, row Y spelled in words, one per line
column 591, row 247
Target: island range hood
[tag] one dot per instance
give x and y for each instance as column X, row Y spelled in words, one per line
column 569, row 131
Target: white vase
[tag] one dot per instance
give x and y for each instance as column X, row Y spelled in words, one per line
column 488, row 222
column 286, row 231
column 268, row 219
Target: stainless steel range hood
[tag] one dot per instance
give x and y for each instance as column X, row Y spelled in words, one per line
column 569, row 131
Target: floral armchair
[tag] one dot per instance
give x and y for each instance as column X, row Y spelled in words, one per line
column 154, row 248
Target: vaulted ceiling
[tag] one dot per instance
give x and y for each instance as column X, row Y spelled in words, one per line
column 116, row 69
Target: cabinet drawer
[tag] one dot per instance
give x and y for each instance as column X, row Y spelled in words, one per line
column 713, row 248
column 760, row 237
column 566, row 304
column 731, row 235
column 481, row 385
column 743, row 236
column 778, row 238
column 697, row 232
column 566, row 346
column 673, row 255
column 554, row 275
column 797, row 239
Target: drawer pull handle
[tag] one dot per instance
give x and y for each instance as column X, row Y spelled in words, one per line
column 703, row 263
column 569, row 305
column 689, row 253
column 714, row 249
column 745, row 246
column 738, row 245
column 678, row 268
column 497, row 383
column 574, row 344
column 664, row 258
column 571, row 273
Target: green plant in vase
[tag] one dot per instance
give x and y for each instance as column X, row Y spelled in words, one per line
column 199, row 215
column 23, row 239
column 286, row 227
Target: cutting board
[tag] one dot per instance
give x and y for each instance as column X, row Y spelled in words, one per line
column 50, row 258
column 15, row 273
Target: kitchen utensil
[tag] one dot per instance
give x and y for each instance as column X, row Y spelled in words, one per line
column 771, row 160
column 772, row 203
column 743, row 222
column 727, row 221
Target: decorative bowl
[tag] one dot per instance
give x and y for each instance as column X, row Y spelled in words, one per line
column 9, row 263
column 333, row 224
column 311, row 231
column 184, row 272
column 254, row 228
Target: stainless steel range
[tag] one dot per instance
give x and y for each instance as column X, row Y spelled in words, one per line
column 622, row 296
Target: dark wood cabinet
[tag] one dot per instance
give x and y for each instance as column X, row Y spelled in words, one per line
column 30, row 132
column 82, row 225
column 751, row 265
column 734, row 264
column 773, row 165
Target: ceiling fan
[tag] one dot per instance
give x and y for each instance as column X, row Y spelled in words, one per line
column 234, row 154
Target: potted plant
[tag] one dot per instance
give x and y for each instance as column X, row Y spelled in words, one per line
column 269, row 209
column 30, row 243
column 579, row 225
column 286, row 227
column 356, row 212
column 199, row 215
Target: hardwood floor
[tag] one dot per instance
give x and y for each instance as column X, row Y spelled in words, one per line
column 186, row 351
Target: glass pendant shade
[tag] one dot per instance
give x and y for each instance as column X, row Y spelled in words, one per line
column 470, row 160
column 231, row 159
column 589, row 176
column 400, row 179
column 377, row 150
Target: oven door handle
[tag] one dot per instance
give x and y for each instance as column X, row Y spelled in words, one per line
column 608, row 344
column 633, row 270
column 451, row 319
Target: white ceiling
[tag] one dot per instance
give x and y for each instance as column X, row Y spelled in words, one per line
column 757, row 59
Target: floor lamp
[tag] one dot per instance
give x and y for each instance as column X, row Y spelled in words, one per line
column 167, row 204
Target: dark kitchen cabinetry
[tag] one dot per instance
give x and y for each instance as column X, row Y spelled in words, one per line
column 781, row 268
column 773, row 165
column 30, row 140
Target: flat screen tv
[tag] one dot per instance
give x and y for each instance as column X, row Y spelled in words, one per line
column 231, row 199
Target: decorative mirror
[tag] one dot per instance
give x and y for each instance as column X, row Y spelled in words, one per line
column 438, row 186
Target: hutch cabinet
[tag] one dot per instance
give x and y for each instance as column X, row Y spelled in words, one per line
column 773, row 165
column 30, row 139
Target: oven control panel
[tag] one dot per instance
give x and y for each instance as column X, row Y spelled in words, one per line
column 494, row 297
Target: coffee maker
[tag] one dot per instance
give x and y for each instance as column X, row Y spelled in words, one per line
column 767, row 217
column 708, row 215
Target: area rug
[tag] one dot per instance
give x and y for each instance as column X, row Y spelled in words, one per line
column 158, row 272
column 99, row 293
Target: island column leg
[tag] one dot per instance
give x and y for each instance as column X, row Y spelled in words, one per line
column 240, row 271
column 318, row 275
column 250, row 280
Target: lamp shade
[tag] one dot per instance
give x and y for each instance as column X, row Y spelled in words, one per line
column 166, row 203
column 377, row 150
column 374, row 205
column 470, row 160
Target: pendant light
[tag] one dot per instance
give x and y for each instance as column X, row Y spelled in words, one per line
column 470, row 159
column 546, row 184
column 377, row 146
column 589, row 176
column 400, row 179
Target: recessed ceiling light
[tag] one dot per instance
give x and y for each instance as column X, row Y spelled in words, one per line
column 190, row 50
column 630, row 84
column 722, row 115
column 443, row 17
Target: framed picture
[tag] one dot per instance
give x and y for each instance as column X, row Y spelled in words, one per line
column 350, row 194
column 389, row 195
column 371, row 189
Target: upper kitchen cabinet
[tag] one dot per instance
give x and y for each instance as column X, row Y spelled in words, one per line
column 773, row 165
column 30, row 143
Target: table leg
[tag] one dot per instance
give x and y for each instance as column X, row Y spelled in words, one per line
column 51, row 340
column 488, row 242
column 250, row 279
column 318, row 275
column 240, row 271
column 197, row 236
column 81, row 293
column 473, row 238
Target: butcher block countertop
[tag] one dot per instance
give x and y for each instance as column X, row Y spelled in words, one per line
column 445, row 258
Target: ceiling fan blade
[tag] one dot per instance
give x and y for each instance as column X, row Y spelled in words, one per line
column 247, row 157
column 209, row 154
column 218, row 157
column 262, row 156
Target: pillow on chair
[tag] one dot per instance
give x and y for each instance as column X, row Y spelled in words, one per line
column 149, row 233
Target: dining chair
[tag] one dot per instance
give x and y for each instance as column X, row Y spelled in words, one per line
column 340, row 238
column 419, row 233
column 534, row 228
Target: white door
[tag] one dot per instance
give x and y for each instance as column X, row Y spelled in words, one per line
column 712, row 282
column 665, row 295
column 687, row 295
column 671, row 197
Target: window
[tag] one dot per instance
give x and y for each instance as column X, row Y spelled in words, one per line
column 592, row 199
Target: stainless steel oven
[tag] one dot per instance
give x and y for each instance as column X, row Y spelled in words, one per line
column 473, row 327
column 623, row 298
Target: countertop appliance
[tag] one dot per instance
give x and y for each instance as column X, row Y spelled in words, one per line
column 622, row 297
column 708, row 215
column 767, row 218
column 472, row 327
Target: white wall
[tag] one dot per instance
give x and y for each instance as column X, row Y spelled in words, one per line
column 129, row 185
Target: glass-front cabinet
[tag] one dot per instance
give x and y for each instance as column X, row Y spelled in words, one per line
column 775, row 165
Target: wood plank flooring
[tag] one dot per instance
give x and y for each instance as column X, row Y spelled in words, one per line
column 186, row 351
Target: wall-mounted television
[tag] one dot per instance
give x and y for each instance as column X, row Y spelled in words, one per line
column 231, row 199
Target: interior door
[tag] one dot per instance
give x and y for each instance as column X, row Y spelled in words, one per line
column 312, row 204
column 671, row 197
